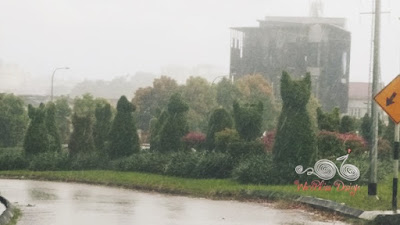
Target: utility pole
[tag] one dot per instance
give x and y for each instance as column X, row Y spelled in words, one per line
column 372, row 185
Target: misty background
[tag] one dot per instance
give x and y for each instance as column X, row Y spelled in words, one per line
column 129, row 43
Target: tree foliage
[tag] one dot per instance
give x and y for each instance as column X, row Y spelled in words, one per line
column 366, row 127
column 63, row 118
column 219, row 120
column 36, row 139
column 389, row 132
column 175, row 125
column 226, row 94
column 224, row 138
column 13, row 120
column 366, row 124
column 102, row 126
column 295, row 142
column 156, row 125
column 52, row 130
column 86, row 105
column 124, row 139
column 329, row 121
column 254, row 89
column 151, row 100
column 201, row 101
column 248, row 120
column 347, row 124
column 81, row 140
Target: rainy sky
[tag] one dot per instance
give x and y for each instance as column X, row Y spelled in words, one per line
column 100, row 39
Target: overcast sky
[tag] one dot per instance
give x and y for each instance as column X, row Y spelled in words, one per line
column 100, row 39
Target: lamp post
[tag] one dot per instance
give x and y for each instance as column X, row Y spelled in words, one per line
column 52, row 79
column 216, row 79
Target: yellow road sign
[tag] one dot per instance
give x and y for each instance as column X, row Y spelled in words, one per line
column 389, row 99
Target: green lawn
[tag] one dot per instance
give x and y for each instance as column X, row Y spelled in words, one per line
column 211, row 188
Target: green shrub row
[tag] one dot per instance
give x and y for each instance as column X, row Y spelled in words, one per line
column 181, row 164
column 259, row 169
column 252, row 168
column 13, row 159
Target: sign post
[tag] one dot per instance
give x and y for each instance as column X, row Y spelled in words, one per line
column 391, row 105
column 396, row 167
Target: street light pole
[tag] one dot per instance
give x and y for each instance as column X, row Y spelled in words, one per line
column 52, row 79
column 216, row 79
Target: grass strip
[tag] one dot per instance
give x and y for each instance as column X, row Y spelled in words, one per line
column 17, row 214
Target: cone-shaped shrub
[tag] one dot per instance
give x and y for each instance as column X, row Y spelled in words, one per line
column 124, row 139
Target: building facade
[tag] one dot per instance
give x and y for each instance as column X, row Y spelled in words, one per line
column 359, row 99
column 298, row 45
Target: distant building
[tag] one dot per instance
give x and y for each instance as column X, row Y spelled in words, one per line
column 319, row 46
column 358, row 99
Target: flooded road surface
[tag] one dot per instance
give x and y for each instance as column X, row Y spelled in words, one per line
column 53, row 203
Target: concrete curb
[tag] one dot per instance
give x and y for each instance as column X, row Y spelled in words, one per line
column 378, row 217
column 330, row 205
column 8, row 214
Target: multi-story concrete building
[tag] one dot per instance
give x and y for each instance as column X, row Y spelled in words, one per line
column 298, row 45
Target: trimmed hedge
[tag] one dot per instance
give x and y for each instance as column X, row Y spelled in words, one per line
column 49, row 161
column 257, row 169
column 12, row 159
column 181, row 164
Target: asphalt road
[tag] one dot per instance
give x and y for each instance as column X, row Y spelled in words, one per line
column 55, row 203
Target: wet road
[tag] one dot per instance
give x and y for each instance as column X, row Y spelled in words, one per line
column 2, row 208
column 53, row 203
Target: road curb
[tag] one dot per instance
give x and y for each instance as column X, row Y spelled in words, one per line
column 378, row 217
column 8, row 214
column 330, row 205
